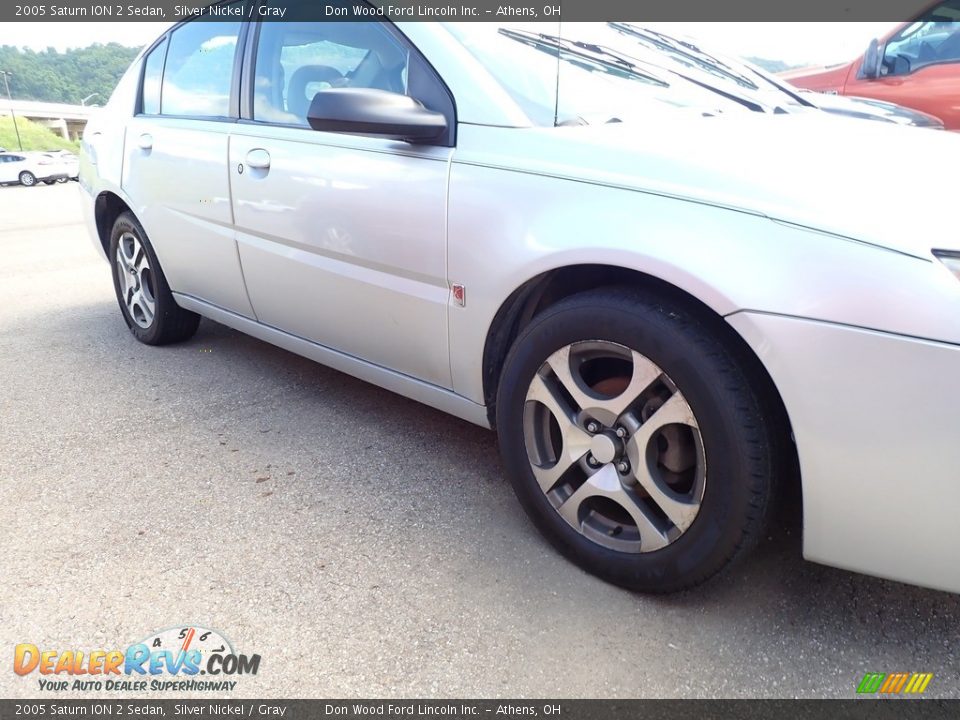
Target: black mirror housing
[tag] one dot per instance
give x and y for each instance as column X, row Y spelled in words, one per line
column 364, row 111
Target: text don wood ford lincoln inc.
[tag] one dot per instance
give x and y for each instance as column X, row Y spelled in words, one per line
column 184, row 658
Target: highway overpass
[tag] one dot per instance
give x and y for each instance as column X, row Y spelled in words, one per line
column 66, row 120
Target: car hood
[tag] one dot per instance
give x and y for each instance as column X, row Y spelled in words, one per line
column 870, row 109
column 875, row 182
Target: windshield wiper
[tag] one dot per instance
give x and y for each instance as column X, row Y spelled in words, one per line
column 619, row 62
column 687, row 51
column 603, row 56
column 784, row 89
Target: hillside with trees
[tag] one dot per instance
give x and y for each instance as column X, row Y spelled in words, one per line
column 32, row 136
column 65, row 77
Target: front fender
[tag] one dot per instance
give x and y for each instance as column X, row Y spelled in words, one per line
column 506, row 227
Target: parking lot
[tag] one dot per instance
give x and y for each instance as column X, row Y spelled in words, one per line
column 362, row 544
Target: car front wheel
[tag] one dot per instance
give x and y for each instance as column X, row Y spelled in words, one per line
column 146, row 302
column 28, row 179
column 634, row 439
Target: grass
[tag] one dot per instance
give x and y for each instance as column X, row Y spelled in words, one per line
column 33, row 135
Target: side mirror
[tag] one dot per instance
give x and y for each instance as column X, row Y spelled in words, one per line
column 365, row 111
column 870, row 67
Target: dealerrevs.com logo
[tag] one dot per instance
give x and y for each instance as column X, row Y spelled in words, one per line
column 186, row 658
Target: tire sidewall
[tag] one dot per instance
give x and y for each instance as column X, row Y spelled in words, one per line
column 700, row 375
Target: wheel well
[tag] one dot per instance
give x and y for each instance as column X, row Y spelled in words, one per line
column 547, row 289
column 107, row 208
column 535, row 296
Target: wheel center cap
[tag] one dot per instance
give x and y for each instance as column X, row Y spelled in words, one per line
column 604, row 448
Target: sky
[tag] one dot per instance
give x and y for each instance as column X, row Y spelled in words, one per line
column 793, row 43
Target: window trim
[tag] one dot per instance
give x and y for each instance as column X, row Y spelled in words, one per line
column 248, row 73
column 143, row 74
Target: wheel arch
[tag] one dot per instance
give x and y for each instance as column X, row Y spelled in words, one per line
column 544, row 290
column 106, row 209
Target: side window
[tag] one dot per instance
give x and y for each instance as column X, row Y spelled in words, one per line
column 295, row 60
column 932, row 38
column 152, row 76
column 199, row 69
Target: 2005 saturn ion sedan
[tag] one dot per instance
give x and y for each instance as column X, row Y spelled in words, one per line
column 666, row 313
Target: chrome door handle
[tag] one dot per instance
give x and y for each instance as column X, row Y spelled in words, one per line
column 258, row 159
column 145, row 142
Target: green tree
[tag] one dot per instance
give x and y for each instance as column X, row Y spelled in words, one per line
column 66, row 77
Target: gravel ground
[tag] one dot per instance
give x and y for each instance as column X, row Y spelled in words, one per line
column 362, row 544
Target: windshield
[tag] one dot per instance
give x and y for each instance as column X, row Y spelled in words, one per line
column 571, row 73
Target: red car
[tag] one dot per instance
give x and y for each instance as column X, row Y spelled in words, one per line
column 917, row 65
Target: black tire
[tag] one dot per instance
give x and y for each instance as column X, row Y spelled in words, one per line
column 170, row 323
column 27, row 179
column 739, row 436
column 50, row 182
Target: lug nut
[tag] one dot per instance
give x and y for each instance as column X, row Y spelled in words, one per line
column 592, row 461
column 623, row 467
column 621, row 432
column 593, row 427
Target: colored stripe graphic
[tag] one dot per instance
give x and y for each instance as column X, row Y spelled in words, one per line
column 918, row 683
column 894, row 683
column 871, row 683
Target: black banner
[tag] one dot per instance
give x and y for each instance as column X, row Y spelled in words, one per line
column 866, row 709
column 462, row 10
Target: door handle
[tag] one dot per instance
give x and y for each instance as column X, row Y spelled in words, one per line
column 145, row 142
column 258, row 159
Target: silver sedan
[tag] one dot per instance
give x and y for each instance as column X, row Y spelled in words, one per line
column 666, row 314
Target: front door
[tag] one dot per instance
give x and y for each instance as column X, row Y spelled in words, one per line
column 342, row 238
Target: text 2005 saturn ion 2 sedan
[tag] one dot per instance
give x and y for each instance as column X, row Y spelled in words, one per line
column 665, row 314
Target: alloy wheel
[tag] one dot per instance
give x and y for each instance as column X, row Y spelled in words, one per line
column 614, row 446
column 136, row 280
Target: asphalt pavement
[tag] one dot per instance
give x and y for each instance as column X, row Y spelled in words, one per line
column 362, row 544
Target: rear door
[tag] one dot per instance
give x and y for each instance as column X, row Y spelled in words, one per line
column 175, row 165
column 343, row 237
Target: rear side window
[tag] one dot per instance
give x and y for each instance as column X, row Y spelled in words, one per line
column 199, row 69
column 152, row 77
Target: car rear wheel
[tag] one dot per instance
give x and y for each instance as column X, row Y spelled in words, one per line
column 634, row 440
column 146, row 302
column 28, row 179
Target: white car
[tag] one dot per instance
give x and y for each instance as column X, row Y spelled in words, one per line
column 29, row 168
column 665, row 316
column 70, row 163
